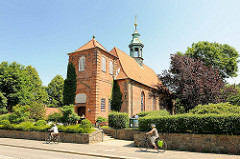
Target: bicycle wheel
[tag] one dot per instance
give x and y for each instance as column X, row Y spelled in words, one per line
column 48, row 139
column 161, row 147
column 57, row 139
column 142, row 144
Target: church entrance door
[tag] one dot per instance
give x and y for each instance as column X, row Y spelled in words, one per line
column 82, row 111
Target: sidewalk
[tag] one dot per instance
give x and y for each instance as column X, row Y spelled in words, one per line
column 110, row 149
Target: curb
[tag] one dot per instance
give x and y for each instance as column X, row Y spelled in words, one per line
column 71, row 152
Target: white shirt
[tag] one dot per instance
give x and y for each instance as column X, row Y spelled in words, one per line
column 55, row 129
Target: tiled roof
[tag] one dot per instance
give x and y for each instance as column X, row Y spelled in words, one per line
column 50, row 111
column 91, row 44
column 131, row 69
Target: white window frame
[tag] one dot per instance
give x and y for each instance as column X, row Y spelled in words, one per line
column 110, row 67
column 82, row 63
column 104, row 66
column 103, row 104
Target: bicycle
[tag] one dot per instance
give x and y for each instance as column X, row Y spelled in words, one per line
column 144, row 144
column 55, row 138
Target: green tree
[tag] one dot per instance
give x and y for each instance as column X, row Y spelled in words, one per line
column 70, row 85
column 10, row 82
column 231, row 94
column 116, row 100
column 221, row 56
column 20, row 84
column 31, row 87
column 55, row 91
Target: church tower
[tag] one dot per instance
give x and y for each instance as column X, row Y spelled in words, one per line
column 136, row 46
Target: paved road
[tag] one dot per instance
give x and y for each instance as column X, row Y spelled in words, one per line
column 23, row 153
column 109, row 149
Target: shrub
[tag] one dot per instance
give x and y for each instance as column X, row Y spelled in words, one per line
column 6, row 124
column 20, row 114
column 101, row 119
column 55, row 117
column 190, row 123
column 40, row 123
column 37, row 111
column 4, row 117
column 69, row 115
column 81, row 128
column 220, row 108
column 118, row 120
column 26, row 126
column 85, row 127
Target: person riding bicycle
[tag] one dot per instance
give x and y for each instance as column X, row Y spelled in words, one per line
column 153, row 138
column 54, row 130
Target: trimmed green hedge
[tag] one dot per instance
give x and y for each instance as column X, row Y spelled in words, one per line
column 154, row 113
column 198, row 124
column 118, row 120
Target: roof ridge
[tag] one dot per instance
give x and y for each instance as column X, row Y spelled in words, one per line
column 84, row 44
column 120, row 61
column 101, row 45
column 94, row 42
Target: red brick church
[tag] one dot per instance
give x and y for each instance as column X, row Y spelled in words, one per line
column 96, row 68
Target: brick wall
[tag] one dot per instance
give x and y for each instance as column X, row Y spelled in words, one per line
column 97, row 85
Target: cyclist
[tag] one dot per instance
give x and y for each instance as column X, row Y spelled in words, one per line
column 155, row 136
column 54, row 130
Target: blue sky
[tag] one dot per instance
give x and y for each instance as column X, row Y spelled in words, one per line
column 41, row 33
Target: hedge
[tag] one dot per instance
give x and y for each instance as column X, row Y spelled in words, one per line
column 154, row 113
column 84, row 127
column 190, row 123
column 219, row 108
column 118, row 120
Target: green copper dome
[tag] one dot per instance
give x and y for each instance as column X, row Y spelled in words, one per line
column 136, row 46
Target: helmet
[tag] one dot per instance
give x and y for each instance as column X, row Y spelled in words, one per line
column 153, row 125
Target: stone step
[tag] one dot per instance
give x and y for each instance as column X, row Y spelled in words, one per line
column 107, row 137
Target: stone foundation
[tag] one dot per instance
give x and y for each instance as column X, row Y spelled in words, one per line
column 96, row 136
column 187, row 142
column 123, row 134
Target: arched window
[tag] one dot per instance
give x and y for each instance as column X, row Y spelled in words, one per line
column 142, row 101
column 103, row 64
column 110, row 67
column 136, row 53
column 82, row 63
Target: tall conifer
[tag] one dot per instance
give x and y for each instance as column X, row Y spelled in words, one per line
column 116, row 101
column 70, row 85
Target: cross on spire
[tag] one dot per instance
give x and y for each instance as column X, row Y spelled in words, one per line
column 135, row 23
